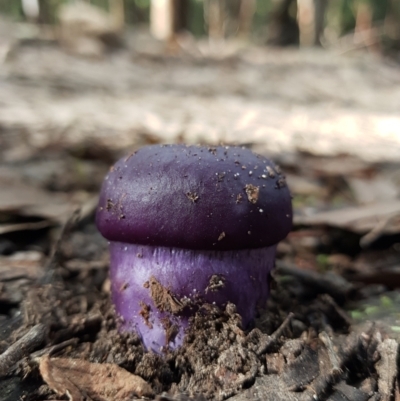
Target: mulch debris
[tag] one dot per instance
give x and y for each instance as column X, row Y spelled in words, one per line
column 66, row 342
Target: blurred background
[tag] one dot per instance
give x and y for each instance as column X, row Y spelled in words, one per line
column 315, row 75
column 315, row 84
column 374, row 24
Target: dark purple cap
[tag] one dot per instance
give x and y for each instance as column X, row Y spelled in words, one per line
column 195, row 197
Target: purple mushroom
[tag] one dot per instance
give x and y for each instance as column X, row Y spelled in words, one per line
column 189, row 225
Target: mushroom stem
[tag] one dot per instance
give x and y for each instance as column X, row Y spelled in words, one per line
column 157, row 289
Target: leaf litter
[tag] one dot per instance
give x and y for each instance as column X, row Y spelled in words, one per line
column 82, row 380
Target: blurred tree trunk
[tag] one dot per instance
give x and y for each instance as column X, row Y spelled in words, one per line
column 181, row 10
column 305, row 16
column 365, row 33
column 283, row 28
column 167, row 17
column 229, row 18
column 311, row 17
column 134, row 13
column 46, row 12
column 246, row 14
column 161, row 19
column 392, row 24
column 31, row 10
column 214, row 15
column 117, row 12
column 320, row 7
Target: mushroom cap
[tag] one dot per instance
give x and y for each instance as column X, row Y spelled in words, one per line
column 195, row 197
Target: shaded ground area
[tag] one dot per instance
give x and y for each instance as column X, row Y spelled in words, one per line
column 331, row 327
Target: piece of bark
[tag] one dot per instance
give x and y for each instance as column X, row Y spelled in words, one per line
column 397, row 392
column 267, row 388
column 332, row 355
column 360, row 219
column 344, row 392
column 338, row 317
column 274, row 363
column 387, row 368
column 179, row 397
column 331, row 367
column 268, row 342
column 21, row 348
column 54, row 348
column 330, row 283
column 15, row 388
column 81, row 380
column 302, row 371
column 227, row 371
column 18, row 198
column 21, row 265
column 291, row 349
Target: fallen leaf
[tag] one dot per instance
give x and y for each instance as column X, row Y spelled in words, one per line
column 305, row 186
column 79, row 380
column 378, row 188
column 360, row 219
column 20, row 202
column 337, row 166
column 21, row 265
column 9, row 228
column 27, row 200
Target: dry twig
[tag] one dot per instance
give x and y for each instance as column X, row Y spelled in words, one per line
column 22, row 348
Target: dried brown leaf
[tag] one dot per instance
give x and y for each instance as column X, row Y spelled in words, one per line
column 9, row 228
column 360, row 219
column 98, row 382
column 19, row 197
column 21, row 265
column 368, row 190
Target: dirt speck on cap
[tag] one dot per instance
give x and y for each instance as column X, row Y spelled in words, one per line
column 271, row 171
column 252, row 192
column 192, row 196
column 281, row 183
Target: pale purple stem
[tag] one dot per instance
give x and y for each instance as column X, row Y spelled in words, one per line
column 186, row 273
